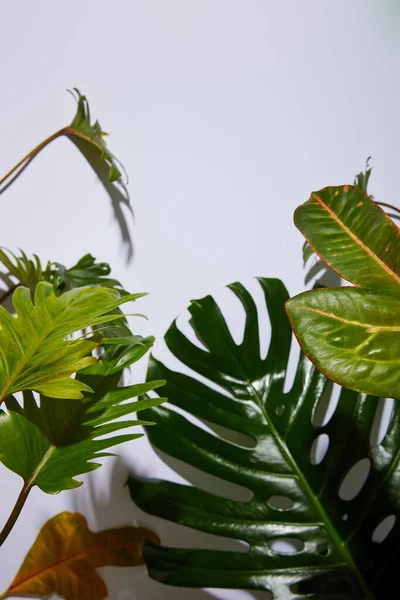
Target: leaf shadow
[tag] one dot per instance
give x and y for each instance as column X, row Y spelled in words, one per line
column 324, row 275
column 115, row 508
column 117, row 191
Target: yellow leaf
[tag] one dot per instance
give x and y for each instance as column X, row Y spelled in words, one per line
column 66, row 553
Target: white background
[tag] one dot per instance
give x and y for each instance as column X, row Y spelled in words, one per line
column 226, row 115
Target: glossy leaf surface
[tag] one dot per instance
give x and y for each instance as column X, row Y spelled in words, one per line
column 335, row 556
column 352, row 335
column 66, row 553
column 34, row 353
column 51, row 445
column 353, row 236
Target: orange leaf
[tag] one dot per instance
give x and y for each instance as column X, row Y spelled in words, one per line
column 66, row 553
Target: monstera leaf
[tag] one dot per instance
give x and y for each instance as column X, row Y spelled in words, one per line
column 34, row 353
column 66, row 553
column 353, row 336
column 307, row 536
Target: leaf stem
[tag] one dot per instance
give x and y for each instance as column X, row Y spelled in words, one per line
column 391, row 206
column 15, row 513
column 32, row 154
column 9, row 292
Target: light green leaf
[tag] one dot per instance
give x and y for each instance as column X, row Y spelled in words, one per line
column 51, row 445
column 34, row 353
column 352, row 336
column 353, row 235
column 263, row 438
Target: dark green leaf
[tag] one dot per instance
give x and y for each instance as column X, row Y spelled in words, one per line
column 353, row 236
column 352, row 336
column 339, row 558
column 50, row 445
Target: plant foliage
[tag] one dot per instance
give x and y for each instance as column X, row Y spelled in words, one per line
column 294, row 491
column 49, row 445
column 66, row 553
column 352, row 335
column 34, row 352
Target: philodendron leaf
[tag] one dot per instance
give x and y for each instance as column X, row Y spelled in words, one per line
column 50, row 445
column 34, row 354
column 353, row 235
column 352, row 335
column 298, row 494
column 82, row 128
column 66, row 553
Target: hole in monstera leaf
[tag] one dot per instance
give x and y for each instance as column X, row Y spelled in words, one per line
column 355, row 479
column 345, row 517
column 323, row 549
column 286, row 545
column 319, row 448
column 327, row 405
column 280, row 410
column 237, row 437
column 264, row 324
column 383, row 529
column 185, row 326
column 383, row 415
column 281, row 502
column 233, row 312
column 293, row 364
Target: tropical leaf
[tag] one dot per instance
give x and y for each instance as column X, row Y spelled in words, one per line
column 66, row 553
column 28, row 272
column 87, row 271
column 297, row 496
column 34, row 353
column 81, row 129
column 352, row 336
column 50, row 445
column 92, row 133
column 361, row 180
column 353, row 235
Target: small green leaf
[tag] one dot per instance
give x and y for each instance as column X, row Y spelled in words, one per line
column 353, row 235
column 34, row 353
column 352, row 336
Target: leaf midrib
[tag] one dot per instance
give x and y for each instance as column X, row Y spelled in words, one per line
column 370, row 328
column 28, row 355
column 341, row 546
column 81, row 555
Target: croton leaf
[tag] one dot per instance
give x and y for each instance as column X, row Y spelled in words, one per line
column 34, row 353
column 50, row 445
column 361, row 180
column 352, row 335
column 297, row 494
column 66, row 553
column 353, row 235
